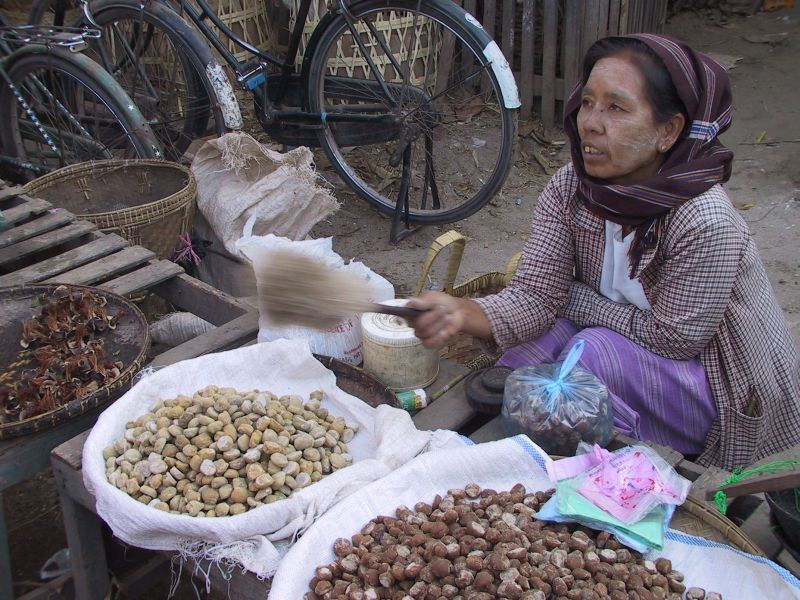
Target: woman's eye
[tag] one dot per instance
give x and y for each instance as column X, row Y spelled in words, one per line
column 616, row 107
column 585, row 102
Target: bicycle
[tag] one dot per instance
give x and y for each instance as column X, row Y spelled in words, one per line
column 58, row 107
column 411, row 100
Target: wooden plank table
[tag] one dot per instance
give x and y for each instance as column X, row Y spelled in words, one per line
column 47, row 244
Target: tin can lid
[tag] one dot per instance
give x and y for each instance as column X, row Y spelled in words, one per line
column 388, row 330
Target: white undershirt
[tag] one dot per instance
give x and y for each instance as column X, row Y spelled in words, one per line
column 615, row 283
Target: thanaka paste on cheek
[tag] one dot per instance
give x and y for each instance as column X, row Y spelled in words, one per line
column 628, row 140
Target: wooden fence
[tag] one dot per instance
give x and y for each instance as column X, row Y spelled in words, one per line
column 545, row 40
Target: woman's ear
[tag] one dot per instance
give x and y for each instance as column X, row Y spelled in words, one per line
column 670, row 132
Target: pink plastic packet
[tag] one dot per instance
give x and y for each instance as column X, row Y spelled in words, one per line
column 627, row 483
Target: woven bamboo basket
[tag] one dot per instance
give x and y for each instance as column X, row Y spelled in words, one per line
column 465, row 349
column 695, row 518
column 254, row 21
column 401, row 35
column 148, row 202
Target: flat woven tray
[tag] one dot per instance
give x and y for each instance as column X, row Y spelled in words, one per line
column 127, row 343
column 357, row 382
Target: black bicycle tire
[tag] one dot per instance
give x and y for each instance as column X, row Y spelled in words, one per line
column 90, row 75
column 326, row 37
column 195, row 48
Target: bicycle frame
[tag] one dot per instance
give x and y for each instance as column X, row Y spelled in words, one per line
column 250, row 78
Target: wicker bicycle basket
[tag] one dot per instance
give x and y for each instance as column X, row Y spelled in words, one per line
column 465, row 349
column 148, row 202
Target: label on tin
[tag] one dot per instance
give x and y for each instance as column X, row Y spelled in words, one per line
column 413, row 399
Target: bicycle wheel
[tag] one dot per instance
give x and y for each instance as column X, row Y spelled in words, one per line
column 157, row 58
column 441, row 138
column 77, row 113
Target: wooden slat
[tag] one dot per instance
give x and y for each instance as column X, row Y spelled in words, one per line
column 490, row 25
column 537, row 85
column 526, row 80
column 445, row 64
column 47, row 222
column 47, row 240
column 103, row 245
column 225, row 337
column 144, row 278
column 507, row 38
column 468, row 64
column 106, row 267
column 637, row 22
column 602, row 21
column 86, row 549
column 624, row 7
column 6, row 579
column 550, row 47
column 591, row 17
column 489, row 432
column 30, row 208
column 490, row 17
column 10, row 192
column 201, row 299
column 773, row 482
column 451, row 411
column 572, row 56
column 70, row 454
column 613, row 17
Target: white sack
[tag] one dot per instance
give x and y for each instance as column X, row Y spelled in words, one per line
column 178, row 327
column 344, row 340
column 500, row 465
column 237, row 178
column 387, row 438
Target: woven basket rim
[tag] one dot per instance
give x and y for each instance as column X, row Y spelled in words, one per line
column 727, row 528
column 171, row 203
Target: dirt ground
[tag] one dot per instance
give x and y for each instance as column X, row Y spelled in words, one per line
column 764, row 50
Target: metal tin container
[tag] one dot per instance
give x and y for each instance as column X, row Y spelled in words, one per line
column 394, row 354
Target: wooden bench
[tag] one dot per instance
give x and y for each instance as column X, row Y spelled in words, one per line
column 41, row 243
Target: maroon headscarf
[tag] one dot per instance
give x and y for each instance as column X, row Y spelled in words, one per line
column 694, row 164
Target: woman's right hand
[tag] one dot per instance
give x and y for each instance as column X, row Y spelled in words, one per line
column 443, row 318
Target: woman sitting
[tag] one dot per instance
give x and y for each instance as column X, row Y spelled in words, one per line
column 637, row 250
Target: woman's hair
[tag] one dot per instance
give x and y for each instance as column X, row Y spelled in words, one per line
column 658, row 84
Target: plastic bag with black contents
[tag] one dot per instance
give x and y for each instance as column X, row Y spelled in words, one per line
column 558, row 405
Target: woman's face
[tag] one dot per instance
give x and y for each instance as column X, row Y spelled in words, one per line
column 620, row 140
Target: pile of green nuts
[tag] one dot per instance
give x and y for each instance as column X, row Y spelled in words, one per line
column 223, row 452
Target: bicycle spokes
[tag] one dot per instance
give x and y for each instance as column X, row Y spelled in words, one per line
column 450, row 133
